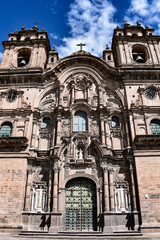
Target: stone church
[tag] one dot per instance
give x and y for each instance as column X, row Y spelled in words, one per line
column 80, row 135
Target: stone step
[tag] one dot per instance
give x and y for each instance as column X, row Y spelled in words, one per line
column 131, row 235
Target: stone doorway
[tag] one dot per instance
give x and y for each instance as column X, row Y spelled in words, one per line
column 81, row 205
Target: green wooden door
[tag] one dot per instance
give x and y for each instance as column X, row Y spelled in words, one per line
column 81, row 209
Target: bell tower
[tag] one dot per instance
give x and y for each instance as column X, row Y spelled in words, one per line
column 135, row 47
column 25, row 49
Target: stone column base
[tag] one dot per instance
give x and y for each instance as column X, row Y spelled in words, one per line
column 56, row 223
column 118, row 222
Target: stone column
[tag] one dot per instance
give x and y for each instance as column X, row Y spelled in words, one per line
column 106, row 191
column 88, row 94
column 157, row 51
column 35, row 55
column 55, row 190
column 14, row 131
column 28, row 191
column 26, row 132
column 102, row 131
column 134, row 205
column 152, row 52
column 60, row 94
column 100, row 95
column 49, row 188
column 73, row 93
column 58, row 129
column 127, row 54
column 34, row 132
column 127, row 130
column 111, row 185
column 107, row 133
column 5, row 63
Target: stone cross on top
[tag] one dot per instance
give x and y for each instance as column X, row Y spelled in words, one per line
column 81, row 45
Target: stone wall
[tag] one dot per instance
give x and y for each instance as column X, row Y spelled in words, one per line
column 12, row 185
column 148, row 176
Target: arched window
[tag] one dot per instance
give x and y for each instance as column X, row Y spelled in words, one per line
column 155, row 126
column 109, row 57
column 6, row 129
column 46, row 123
column 80, row 121
column 115, row 122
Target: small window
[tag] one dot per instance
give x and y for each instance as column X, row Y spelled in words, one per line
column 115, row 122
column 52, row 59
column 41, row 37
column 134, row 35
column 80, row 121
column 6, row 129
column 155, row 126
column 109, row 57
column 23, row 57
column 27, row 39
column 46, row 123
column 119, row 34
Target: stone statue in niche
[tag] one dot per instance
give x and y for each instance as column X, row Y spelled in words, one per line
column 80, row 154
column 38, row 175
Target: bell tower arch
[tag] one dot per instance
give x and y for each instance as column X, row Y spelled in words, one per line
column 135, row 46
column 27, row 48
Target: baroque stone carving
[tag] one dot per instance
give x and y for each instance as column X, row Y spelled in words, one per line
column 94, row 127
column 66, row 127
column 116, row 133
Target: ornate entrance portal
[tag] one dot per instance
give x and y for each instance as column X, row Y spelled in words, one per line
column 81, row 205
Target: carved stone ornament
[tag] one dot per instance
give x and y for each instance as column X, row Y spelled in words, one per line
column 94, row 127
column 80, row 140
column 66, row 127
column 116, row 133
column 80, row 80
column 44, row 133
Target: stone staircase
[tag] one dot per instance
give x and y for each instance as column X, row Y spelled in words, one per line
column 128, row 235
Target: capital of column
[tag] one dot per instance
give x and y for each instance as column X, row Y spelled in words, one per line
column 105, row 169
column 110, row 169
column 61, row 88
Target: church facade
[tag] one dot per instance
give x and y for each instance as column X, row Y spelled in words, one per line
column 80, row 136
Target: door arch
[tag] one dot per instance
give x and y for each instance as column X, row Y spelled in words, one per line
column 81, row 205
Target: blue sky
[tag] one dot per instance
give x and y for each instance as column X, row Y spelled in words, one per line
column 69, row 22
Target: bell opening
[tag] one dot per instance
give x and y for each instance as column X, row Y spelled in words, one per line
column 139, row 55
column 23, row 57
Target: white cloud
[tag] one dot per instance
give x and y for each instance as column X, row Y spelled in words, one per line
column 140, row 7
column 145, row 11
column 1, row 55
column 91, row 22
column 54, row 36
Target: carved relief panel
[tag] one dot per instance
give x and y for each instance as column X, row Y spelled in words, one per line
column 81, row 87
